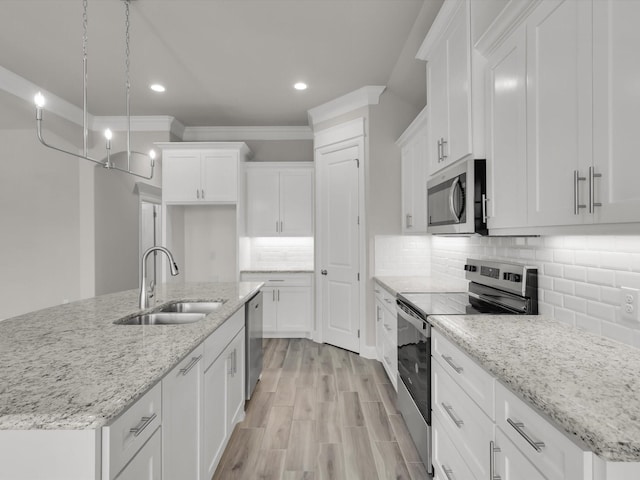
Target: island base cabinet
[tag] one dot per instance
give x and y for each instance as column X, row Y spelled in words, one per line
column 146, row 465
column 510, row 463
column 447, row 462
column 181, row 418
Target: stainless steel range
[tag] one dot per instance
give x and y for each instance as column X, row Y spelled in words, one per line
column 495, row 288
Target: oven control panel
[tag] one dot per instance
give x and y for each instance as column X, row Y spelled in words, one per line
column 510, row 277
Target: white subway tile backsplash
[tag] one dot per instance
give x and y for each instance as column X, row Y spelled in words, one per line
column 402, row 255
column 579, row 276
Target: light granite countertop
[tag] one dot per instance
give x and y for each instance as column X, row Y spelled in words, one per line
column 70, row 367
column 587, row 385
column 415, row 284
column 278, row 271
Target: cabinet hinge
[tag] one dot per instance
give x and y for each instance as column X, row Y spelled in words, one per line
column 357, row 163
column 358, row 333
column 358, row 219
column 358, row 276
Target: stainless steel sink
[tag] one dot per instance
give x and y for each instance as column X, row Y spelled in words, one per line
column 192, row 307
column 161, row 318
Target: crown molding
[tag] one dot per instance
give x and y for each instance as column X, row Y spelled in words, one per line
column 140, row 123
column 369, row 95
column 439, row 27
column 203, row 134
column 414, row 127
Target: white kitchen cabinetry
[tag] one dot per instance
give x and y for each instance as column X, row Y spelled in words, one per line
column 507, row 133
column 196, row 173
column 279, row 199
column 387, row 332
column 182, row 395
column 447, row 50
column 465, row 398
column 223, row 391
column 414, row 157
column 287, row 303
column 146, row 465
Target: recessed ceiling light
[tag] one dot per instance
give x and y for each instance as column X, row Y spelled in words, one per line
column 156, row 87
column 300, row 86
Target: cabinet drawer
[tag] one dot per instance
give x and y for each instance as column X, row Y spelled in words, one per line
column 387, row 298
column 219, row 339
column 510, row 463
column 128, row 433
column 547, row 448
column 467, row 425
column 390, row 359
column 473, row 379
column 447, row 462
column 279, row 279
column 147, row 462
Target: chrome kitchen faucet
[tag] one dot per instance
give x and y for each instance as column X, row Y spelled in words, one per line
column 144, row 294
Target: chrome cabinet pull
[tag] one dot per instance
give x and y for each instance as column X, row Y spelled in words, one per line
column 230, row 367
column 448, row 472
column 377, row 313
column 281, row 226
column 192, row 364
column 519, row 427
column 492, row 461
column 277, row 226
column 409, row 220
column 576, row 192
column 439, row 150
column 444, row 157
column 387, row 327
column 592, row 189
column 273, row 295
column 449, row 410
column 449, row 360
column 198, row 193
column 144, row 423
column 278, row 295
column 484, row 208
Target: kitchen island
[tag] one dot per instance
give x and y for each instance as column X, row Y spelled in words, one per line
column 70, row 368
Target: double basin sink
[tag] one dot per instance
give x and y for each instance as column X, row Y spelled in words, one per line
column 177, row 313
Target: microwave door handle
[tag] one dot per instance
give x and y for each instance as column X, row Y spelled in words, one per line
column 452, row 191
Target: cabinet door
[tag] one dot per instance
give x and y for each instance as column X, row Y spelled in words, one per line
column 180, row 176
column 414, row 184
column 510, row 463
column 269, row 310
column 507, row 147
column 146, row 463
column 616, row 141
column 459, row 85
column 294, row 309
column 263, row 202
column 437, row 97
column 296, row 203
column 215, row 408
column 181, row 418
column 379, row 329
column 558, row 111
column 235, row 392
column 219, row 181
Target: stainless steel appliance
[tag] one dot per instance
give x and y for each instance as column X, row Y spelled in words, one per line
column 495, row 288
column 457, row 199
column 253, row 346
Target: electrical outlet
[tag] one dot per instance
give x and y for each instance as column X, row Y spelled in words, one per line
column 629, row 304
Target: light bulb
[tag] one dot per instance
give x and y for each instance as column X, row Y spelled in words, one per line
column 39, row 100
column 152, row 154
column 300, row 86
column 108, row 134
column 156, row 87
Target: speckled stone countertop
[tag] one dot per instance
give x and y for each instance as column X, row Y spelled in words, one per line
column 70, row 367
column 277, row 271
column 589, row 386
column 415, row 284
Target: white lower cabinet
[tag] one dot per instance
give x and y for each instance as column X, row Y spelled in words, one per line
column 146, row 465
column 520, row 445
column 182, row 421
column 387, row 332
column 287, row 303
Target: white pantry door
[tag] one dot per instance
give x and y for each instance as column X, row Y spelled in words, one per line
column 339, row 247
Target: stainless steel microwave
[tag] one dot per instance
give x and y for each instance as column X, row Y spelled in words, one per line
column 457, row 199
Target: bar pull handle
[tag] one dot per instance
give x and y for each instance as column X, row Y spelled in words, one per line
column 439, row 150
column 409, row 220
column 444, row 156
column 192, row 364
column 198, row 193
column 387, row 327
column 592, row 189
column 278, row 295
column 448, row 472
column 449, row 410
column 492, row 461
column 277, row 223
column 144, row 423
column 484, row 208
column 519, row 427
column 281, row 226
column 202, row 194
column 576, row 192
column 450, row 361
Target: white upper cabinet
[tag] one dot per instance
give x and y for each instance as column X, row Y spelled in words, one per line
column 414, row 157
column 506, row 134
column 201, row 172
column 279, row 200
column 616, row 105
column 447, row 50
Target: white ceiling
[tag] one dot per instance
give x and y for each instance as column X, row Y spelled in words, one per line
column 224, row 62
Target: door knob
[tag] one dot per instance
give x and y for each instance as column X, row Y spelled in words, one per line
column 323, row 272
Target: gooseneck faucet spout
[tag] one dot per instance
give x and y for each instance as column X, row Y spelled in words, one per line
column 144, row 294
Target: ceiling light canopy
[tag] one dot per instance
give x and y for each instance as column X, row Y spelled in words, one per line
column 300, row 86
column 156, row 87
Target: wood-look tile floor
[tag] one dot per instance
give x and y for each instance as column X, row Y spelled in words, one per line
column 320, row 413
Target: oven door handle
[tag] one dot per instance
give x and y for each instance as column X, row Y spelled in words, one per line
column 417, row 323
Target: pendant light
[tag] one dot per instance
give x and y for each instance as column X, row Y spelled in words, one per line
column 108, row 163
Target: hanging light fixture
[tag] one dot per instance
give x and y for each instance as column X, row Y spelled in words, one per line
column 108, row 163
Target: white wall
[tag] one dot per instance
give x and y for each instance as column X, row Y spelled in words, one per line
column 579, row 276
column 40, row 244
